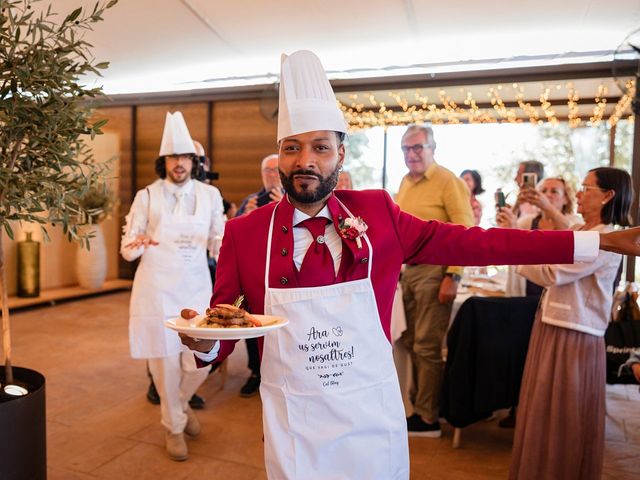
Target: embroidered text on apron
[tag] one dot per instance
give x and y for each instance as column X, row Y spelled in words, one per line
column 171, row 276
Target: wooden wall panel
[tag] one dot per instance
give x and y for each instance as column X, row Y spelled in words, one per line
column 150, row 124
column 241, row 139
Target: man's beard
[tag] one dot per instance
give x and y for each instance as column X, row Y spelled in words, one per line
column 325, row 186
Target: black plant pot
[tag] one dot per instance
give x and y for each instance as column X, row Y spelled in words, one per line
column 23, row 440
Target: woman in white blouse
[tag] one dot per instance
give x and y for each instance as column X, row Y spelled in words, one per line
column 560, row 427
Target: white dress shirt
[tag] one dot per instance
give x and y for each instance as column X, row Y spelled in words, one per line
column 137, row 219
column 302, row 238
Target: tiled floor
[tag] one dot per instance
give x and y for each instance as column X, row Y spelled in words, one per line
column 100, row 426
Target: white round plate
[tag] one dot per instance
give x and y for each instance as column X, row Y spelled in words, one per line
column 186, row 327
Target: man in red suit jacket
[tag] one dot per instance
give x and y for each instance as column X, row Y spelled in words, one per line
column 310, row 163
column 331, row 403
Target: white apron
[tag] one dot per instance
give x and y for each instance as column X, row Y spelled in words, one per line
column 332, row 407
column 171, row 276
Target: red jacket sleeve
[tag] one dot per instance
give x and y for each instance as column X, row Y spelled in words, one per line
column 438, row 243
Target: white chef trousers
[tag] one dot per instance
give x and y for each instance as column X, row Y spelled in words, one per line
column 176, row 378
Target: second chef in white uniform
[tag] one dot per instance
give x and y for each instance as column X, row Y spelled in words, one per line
column 170, row 226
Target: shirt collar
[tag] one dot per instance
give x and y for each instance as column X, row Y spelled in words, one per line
column 428, row 173
column 172, row 188
column 299, row 216
column 430, row 170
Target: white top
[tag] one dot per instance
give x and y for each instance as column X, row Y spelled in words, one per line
column 138, row 218
column 578, row 296
column 516, row 284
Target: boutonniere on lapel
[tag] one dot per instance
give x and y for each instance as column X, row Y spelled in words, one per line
column 352, row 228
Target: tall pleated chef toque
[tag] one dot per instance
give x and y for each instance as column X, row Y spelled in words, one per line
column 176, row 139
column 307, row 102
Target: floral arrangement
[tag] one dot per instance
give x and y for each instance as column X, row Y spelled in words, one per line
column 352, row 228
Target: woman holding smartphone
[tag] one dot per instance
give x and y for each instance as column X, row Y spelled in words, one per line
column 561, row 413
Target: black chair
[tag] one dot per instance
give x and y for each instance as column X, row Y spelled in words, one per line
column 487, row 347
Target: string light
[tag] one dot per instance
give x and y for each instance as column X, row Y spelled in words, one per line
column 368, row 110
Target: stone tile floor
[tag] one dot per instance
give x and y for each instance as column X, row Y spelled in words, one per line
column 100, row 425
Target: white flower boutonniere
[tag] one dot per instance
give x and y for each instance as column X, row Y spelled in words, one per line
column 352, row 228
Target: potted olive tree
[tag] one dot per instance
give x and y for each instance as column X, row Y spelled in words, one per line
column 45, row 171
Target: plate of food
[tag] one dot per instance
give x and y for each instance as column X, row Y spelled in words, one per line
column 224, row 322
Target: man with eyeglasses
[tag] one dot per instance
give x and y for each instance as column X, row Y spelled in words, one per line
column 430, row 192
column 171, row 225
column 271, row 191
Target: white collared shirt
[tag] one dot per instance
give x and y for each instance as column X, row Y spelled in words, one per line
column 138, row 218
column 302, row 238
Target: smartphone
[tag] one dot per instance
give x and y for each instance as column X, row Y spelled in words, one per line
column 529, row 180
column 500, row 200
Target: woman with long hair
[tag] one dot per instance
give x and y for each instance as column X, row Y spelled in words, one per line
column 561, row 413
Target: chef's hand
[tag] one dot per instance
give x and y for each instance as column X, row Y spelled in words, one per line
column 626, row 242
column 448, row 290
column 275, row 194
column 141, row 241
column 635, row 368
column 197, row 344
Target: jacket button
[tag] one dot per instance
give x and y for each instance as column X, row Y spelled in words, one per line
column 284, row 252
column 284, row 280
column 364, row 260
column 284, row 229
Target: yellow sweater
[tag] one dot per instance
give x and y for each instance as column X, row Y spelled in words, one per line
column 438, row 195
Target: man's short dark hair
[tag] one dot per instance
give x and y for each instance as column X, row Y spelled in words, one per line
column 616, row 211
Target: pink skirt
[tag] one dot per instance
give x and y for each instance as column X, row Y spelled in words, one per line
column 561, row 413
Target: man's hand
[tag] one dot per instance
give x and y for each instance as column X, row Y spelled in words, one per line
column 635, row 368
column 141, row 241
column 626, row 242
column 448, row 290
column 197, row 344
column 275, row 194
column 505, row 218
column 251, row 204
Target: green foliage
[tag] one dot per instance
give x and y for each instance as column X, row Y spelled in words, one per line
column 98, row 202
column 46, row 169
column 571, row 152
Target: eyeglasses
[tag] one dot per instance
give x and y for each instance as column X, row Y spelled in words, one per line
column 417, row 148
column 585, row 188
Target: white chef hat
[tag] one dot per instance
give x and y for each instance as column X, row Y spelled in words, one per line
column 176, row 139
column 307, row 102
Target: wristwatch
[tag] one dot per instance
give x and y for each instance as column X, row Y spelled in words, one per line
column 454, row 276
